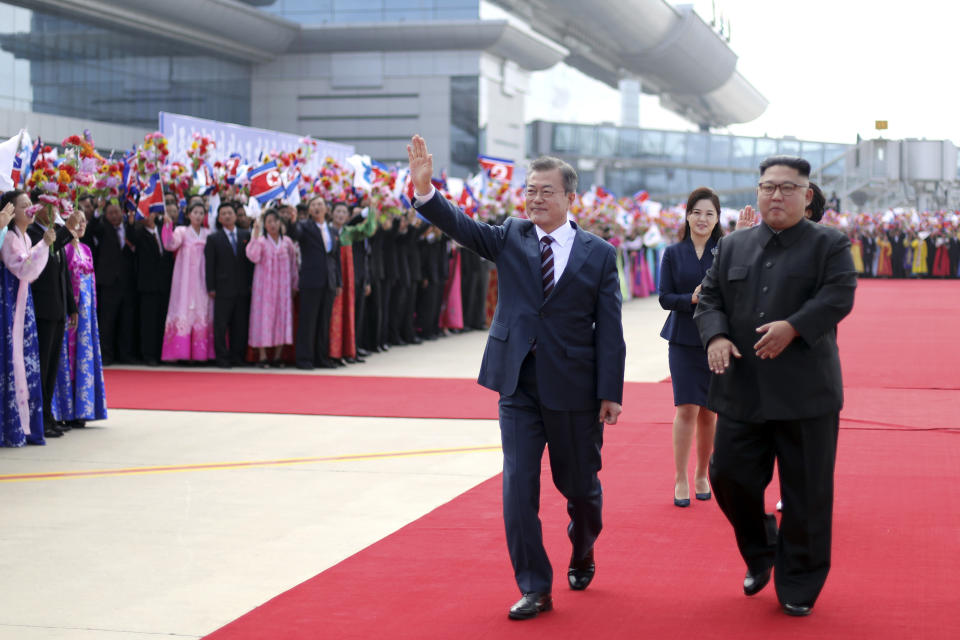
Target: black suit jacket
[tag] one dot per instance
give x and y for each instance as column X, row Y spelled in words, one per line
column 154, row 269
column 803, row 275
column 680, row 273
column 53, row 290
column 318, row 269
column 115, row 265
column 577, row 329
column 228, row 273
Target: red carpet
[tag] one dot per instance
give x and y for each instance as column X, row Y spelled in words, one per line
column 662, row 572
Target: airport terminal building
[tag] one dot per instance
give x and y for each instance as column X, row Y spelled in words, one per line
column 368, row 73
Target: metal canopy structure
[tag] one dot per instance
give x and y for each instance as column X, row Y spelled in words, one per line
column 672, row 51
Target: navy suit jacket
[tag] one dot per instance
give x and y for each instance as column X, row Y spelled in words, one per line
column 577, row 329
column 318, row 269
column 680, row 273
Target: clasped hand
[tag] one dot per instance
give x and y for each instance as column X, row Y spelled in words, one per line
column 776, row 336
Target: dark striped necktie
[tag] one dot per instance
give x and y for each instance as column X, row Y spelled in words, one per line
column 546, row 264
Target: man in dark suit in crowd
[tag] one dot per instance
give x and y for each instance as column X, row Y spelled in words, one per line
column 768, row 314
column 154, row 275
column 54, row 306
column 361, row 282
column 434, row 273
column 229, row 277
column 556, row 355
column 320, row 282
column 116, row 284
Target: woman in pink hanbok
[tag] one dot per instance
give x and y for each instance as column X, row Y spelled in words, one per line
column 188, row 333
column 274, row 281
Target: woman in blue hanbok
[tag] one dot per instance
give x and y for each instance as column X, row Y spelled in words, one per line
column 79, row 395
column 21, row 404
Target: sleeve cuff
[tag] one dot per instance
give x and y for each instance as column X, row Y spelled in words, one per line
column 421, row 199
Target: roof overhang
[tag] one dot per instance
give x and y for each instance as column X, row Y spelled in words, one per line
column 525, row 47
column 226, row 27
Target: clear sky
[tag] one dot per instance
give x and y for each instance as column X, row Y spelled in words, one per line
column 829, row 68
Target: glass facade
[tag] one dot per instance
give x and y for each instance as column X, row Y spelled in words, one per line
column 337, row 11
column 464, row 124
column 50, row 64
column 670, row 164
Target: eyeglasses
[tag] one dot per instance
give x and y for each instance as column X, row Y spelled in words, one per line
column 786, row 188
column 531, row 194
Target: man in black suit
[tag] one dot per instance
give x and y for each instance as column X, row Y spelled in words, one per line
column 154, row 275
column 320, row 282
column 229, row 275
column 556, row 355
column 116, row 284
column 768, row 314
column 54, row 305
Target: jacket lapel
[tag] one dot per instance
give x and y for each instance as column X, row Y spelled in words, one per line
column 582, row 246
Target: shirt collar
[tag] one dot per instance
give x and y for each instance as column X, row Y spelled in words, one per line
column 786, row 237
column 561, row 235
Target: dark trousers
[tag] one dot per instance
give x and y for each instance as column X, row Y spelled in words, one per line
column 428, row 309
column 153, row 316
column 313, row 330
column 116, row 320
column 398, row 308
column 407, row 331
column 575, row 439
column 369, row 336
column 231, row 317
column 50, row 338
column 740, row 470
column 387, row 287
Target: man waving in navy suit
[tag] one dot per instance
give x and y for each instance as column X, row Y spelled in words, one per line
column 556, row 356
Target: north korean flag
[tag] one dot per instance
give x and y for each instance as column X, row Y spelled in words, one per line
column 265, row 183
column 232, row 165
column 151, row 199
column 497, row 169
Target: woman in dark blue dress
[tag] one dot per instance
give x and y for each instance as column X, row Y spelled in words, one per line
column 684, row 266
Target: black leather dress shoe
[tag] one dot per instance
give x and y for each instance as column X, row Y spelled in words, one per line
column 530, row 605
column 754, row 582
column 52, row 432
column 363, row 353
column 306, row 366
column 798, row 610
column 580, row 574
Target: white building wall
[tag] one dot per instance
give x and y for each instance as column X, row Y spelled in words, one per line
column 374, row 101
column 503, row 90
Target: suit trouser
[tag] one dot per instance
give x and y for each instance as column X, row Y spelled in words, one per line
column 116, row 320
column 50, row 339
column 369, row 337
column 740, row 470
column 398, row 307
column 387, row 287
column 153, row 313
column 428, row 309
column 313, row 330
column 575, row 439
column 231, row 316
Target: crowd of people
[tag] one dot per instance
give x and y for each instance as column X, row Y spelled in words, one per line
column 318, row 285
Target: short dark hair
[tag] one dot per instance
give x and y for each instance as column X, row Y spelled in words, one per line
column 698, row 194
column 801, row 165
column 227, row 205
column 9, row 196
column 549, row 163
column 817, row 204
